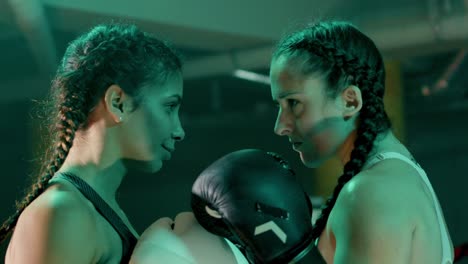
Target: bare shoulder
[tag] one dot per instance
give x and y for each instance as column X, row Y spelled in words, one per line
column 397, row 179
column 58, row 206
column 391, row 189
column 57, row 227
column 380, row 210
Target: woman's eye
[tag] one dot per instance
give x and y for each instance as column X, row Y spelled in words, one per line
column 292, row 103
column 172, row 106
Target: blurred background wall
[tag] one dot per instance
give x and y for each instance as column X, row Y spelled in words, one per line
column 424, row 43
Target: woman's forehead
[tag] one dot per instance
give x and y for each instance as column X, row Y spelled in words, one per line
column 287, row 70
column 173, row 86
column 285, row 79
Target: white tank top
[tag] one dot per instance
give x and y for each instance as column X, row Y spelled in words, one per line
column 447, row 251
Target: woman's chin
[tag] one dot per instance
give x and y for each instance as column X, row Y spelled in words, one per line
column 146, row 166
column 314, row 161
column 153, row 166
column 312, row 164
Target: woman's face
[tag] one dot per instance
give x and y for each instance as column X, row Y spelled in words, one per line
column 154, row 127
column 315, row 124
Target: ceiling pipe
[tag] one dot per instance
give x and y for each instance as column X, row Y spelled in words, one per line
column 443, row 82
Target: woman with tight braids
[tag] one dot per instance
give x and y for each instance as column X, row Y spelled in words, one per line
column 115, row 101
column 328, row 80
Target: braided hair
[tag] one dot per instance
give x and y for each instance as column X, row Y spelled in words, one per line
column 343, row 56
column 108, row 54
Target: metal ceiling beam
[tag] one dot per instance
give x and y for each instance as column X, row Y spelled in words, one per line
column 239, row 17
column 390, row 40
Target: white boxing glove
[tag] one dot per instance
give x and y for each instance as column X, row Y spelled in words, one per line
column 159, row 244
column 206, row 247
column 183, row 241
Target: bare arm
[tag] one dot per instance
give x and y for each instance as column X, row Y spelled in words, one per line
column 373, row 222
column 56, row 228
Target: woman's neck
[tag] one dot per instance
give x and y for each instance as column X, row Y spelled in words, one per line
column 94, row 159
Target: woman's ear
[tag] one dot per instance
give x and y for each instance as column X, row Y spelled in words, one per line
column 351, row 101
column 116, row 102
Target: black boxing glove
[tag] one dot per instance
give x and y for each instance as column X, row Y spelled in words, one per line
column 252, row 198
